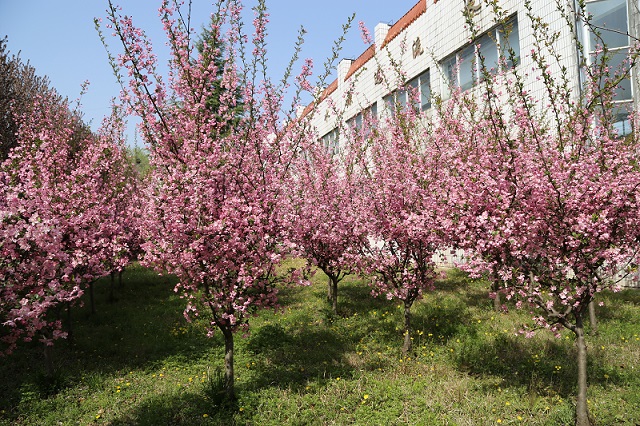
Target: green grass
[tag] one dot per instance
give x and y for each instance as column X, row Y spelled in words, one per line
column 137, row 361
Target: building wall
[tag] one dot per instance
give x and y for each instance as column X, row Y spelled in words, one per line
column 441, row 30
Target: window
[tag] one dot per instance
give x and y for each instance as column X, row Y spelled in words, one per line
column 509, row 42
column 488, row 51
column 492, row 50
column 417, row 93
column 420, row 91
column 355, row 122
column 330, row 141
column 609, row 22
column 608, row 30
column 621, row 121
column 364, row 122
column 390, row 102
column 373, row 110
column 610, row 18
column 370, row 113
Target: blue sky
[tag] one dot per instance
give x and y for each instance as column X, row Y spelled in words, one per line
column 58, row 37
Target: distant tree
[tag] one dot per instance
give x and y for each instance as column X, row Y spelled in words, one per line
column 139, row 159
column 19, row 85
column 403, row 188
column 323, row 217
column 59, row 218
column 225, row 103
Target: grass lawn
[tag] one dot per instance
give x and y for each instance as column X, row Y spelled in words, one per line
column 137, row 361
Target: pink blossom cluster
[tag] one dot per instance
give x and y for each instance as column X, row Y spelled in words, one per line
column 212, row 206
column 544, row 199
column 64, row 203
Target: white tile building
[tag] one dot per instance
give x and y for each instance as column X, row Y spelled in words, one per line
column 425, row 45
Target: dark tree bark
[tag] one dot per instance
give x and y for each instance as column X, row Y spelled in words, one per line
column 111, row 285
column 229, row 377
column 334, row 295
column 69, row 323
column 91, row 298
column 332, row 290
column 593, row 321
column 48, row 361
column 497, row 301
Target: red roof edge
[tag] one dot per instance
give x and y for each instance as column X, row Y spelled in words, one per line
column 326, row 92
column 405, row 21
column 362, row 59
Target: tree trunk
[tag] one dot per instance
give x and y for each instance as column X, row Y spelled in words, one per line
column 406, row 347
column 332, row 291
column 113, row 279
column 497, row 301
column 334, row 295
column 48, row 360
column 582, row 411
column 91, row 298
column 120, row 278
column 69, row 323
column 229, row 378
column 592, row 318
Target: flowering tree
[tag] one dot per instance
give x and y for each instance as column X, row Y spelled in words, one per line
column 56, row 218
column 547, row 197
column 118, row 190
column 19, row 86
column 403, row 208
column 212, row 212
column 324, row 222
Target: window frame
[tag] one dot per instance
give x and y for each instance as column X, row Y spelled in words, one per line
column 455, row 67
column 411, row 94
column 622, row 123
column 589, row 51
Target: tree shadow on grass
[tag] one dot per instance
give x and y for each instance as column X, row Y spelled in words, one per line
column 545, row 367
column 440, row 321
column 186, row 408
column 354, row 296
column 317, row 346
column 143, row 328
column 289, row 360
